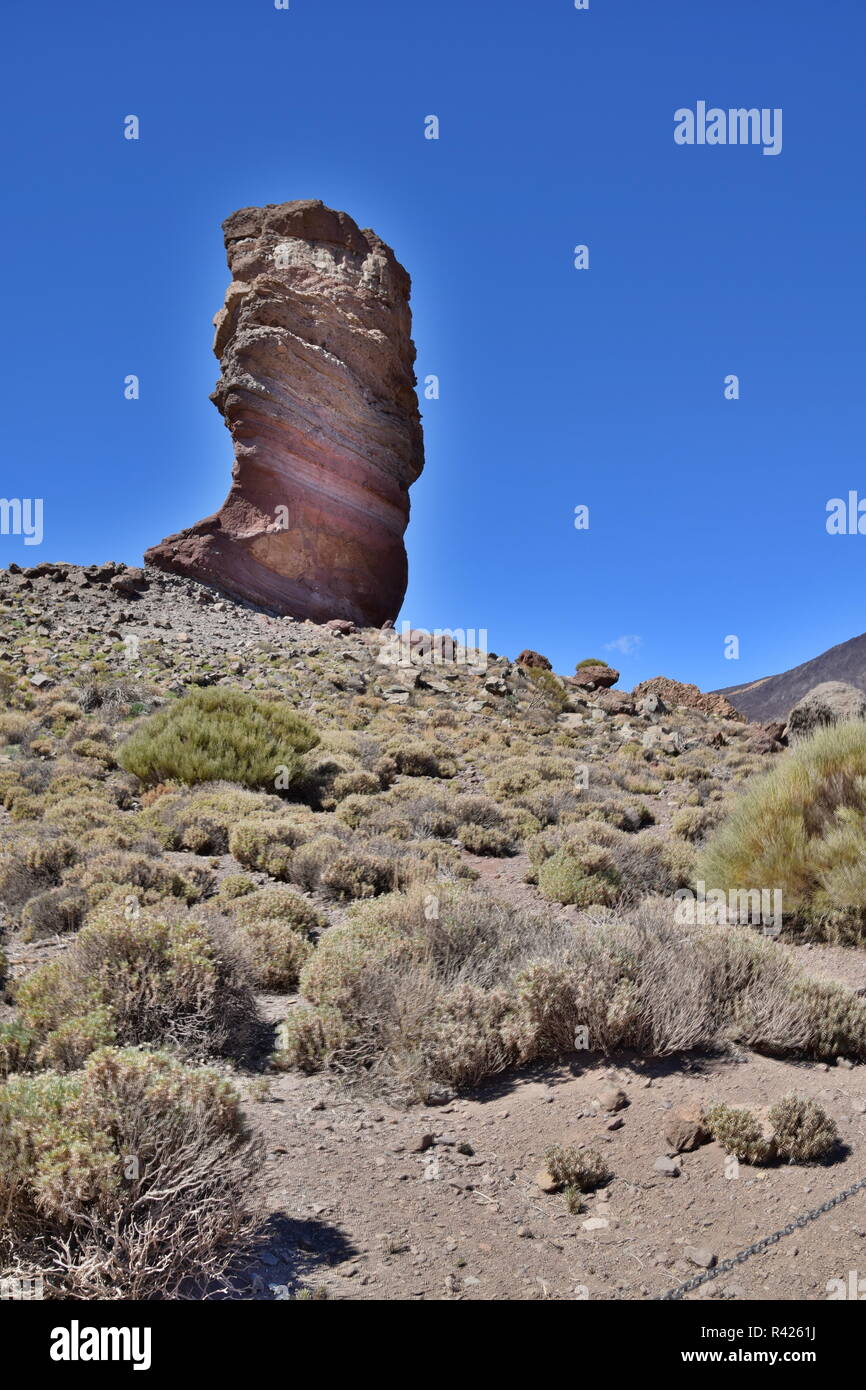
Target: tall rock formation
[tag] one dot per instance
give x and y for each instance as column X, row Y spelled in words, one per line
column 318, row 389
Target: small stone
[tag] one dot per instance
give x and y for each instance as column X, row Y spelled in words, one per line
column 668, row 1166
column 546, row 1181
column 699, row 1255
column 595, row 1223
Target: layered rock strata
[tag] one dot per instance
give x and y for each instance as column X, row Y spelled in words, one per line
column 318, row 390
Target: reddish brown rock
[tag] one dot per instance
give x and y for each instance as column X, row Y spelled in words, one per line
column 594, row 677
column 677, row 693
column 614, row 702
column 533, row 659
column 318, row 390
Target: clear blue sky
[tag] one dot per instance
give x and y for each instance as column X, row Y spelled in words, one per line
column 558, row 387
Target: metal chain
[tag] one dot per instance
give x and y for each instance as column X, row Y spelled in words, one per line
column 727, row 1265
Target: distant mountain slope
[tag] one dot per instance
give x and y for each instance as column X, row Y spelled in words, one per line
column 773, row 696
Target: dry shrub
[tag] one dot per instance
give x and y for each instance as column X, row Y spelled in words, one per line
column 150, row 877
column 646, row 864
column 482, row 839
column 273, row 930
column 267, row 843
column 582, row 877
column 423, row 760
column 54, row 911
column 16, row 728
column 444, row 985
column 804, row 1132
column 33, row 864
column 583, row 1169
column 127, row 1180
column 161, row 978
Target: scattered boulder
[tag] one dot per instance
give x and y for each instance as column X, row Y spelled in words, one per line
column 701, row 1256
column 614, row 702
column 431, row 648
column 612, row 1099
column 832, row 702
column 767, row 738
column 130, row 582
column 660, row 740
column 668, row 1167
column 533, row 659
column 677, row 693
column 594, row 677
column 653, row 704
column 685, row 1129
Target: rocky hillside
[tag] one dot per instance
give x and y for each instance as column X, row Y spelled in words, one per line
column 773, row 697
column 407, row 1007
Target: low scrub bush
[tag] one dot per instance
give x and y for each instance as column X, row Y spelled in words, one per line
column 445, row 985
column 160, row 978
column 56, row 910
column 33, row 864
column 129, row 1179
column 740, row 1133
column 273, row 927
column 804, row 1132
column 148, row 877
column 215, row 734
column 267, row 843
column 580, row 877
column 793, row 1129
column 483, row 839
column 583, row 1169
column 802, row 829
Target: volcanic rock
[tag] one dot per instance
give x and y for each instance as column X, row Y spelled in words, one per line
column 533, row 659
column 594, row 677
column 832, row 702
column 318, row 390
column 678, row 693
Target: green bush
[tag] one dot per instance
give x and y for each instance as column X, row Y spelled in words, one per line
column 127, row 1180
column 549, row 685
column 215, row 734
column 802, row 829
column 482, row 839
column 740, row 1133
column 268, row 843
column 583, row 878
